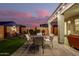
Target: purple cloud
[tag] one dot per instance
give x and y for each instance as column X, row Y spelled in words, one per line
column 42, row 12
column 15, row 14
column 24, row 18
column 23, row 15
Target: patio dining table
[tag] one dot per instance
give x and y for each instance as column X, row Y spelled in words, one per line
column 38, row 40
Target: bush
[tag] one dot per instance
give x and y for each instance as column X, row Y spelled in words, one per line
column 32, row 32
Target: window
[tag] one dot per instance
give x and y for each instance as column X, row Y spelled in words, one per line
column 76, row 24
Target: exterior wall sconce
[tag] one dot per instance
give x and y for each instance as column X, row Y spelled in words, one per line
column 13, row 28
column 69, row 22
column 69, row 32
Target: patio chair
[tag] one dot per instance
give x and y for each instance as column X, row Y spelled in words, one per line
column 28, row 38
column 48, row 42
column 38, row 41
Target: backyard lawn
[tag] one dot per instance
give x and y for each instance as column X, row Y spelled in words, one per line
column 7, row 47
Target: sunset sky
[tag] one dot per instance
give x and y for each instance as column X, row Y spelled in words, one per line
column 27, row 13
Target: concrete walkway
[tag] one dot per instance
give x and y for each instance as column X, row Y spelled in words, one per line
column 57, row 50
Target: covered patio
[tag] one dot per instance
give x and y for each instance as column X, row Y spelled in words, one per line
column 57, row 50
column 68, row 22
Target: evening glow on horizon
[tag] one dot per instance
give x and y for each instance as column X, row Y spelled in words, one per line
column 27, row 13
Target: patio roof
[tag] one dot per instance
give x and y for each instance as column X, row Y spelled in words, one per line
column 7, row 23
column 43, row 25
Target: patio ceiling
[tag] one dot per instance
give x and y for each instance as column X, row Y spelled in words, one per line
column 74, row 10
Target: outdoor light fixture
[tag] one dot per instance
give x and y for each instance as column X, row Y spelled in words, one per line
column 63, row 7
column 13, row 28
column 69, row 22
column 58, row 12
column 69, row 32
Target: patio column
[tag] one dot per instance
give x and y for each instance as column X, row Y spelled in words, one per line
column 60, row 19
column 49, row 28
